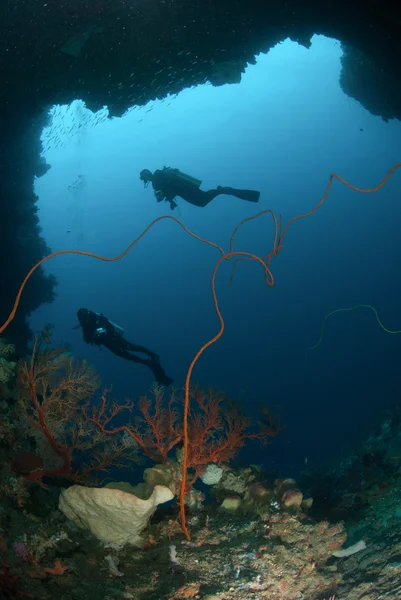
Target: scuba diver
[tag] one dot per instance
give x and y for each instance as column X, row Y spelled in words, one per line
column 97, row 329
column 170, row 183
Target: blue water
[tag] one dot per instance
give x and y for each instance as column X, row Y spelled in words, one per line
column 282, row 131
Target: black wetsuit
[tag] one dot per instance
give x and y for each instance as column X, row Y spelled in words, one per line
column 167, row 184
column 100, row 331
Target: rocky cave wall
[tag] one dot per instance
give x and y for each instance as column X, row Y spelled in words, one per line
column 121, row 53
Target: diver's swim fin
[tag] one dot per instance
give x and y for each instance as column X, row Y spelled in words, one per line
column 166, row 381
column 159, row 373
column 249, row 195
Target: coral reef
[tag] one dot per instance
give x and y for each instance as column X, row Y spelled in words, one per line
column 268, row 540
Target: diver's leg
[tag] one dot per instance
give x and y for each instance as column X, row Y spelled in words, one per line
column 200, row 198
column 119, row 350
column 155, row 366
column 141, row 349
column 159, row 373
column 152, row 362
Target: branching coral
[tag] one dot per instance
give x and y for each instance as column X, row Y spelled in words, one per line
column 217, row 430
column 52, row 388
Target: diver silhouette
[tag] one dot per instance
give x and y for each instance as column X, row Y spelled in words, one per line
column 97, row 329
column 169, row 183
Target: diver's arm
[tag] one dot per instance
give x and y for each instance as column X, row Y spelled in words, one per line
column 87, row 337
column 96, row 330
column 162, row 185
column 89, row 328
column 103, row 329
column 159, row 195
column 168, row 197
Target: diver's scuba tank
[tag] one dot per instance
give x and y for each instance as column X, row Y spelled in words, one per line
column 184, row 176
column 117, row 330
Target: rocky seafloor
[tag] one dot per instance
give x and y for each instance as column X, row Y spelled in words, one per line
column 329, row 535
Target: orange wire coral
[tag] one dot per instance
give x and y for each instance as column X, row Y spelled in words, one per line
column 280, row 234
